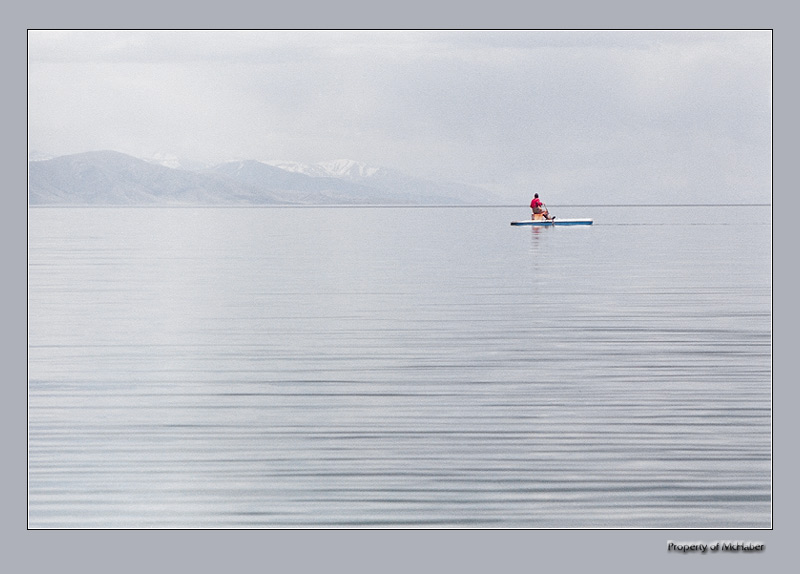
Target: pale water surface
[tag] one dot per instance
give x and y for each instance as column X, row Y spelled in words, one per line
column 411, row 367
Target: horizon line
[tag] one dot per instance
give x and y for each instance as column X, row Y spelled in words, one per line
column 384, row 206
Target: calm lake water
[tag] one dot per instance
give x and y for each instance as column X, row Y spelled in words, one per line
column 399, row 367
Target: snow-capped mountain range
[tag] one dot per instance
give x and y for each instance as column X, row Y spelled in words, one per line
column 113, row 178
column 341, row 168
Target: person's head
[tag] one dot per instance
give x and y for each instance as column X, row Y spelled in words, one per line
column 535, row 195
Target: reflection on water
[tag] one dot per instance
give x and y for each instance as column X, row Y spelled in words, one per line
column 397, row 367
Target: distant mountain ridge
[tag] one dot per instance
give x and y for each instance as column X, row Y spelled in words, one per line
column 341, row 168
column 114, row 178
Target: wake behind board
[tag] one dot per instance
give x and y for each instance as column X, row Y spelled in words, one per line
column 548, row 223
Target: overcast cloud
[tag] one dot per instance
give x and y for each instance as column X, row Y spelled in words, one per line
column 580, row 116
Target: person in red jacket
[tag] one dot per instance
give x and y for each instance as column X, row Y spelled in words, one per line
column 538, row 207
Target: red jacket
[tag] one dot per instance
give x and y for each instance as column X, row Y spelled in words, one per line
column 536, row 203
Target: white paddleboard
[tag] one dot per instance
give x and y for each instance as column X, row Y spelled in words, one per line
column 556, row 221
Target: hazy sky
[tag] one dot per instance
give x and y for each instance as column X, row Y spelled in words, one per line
column 580, row 116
